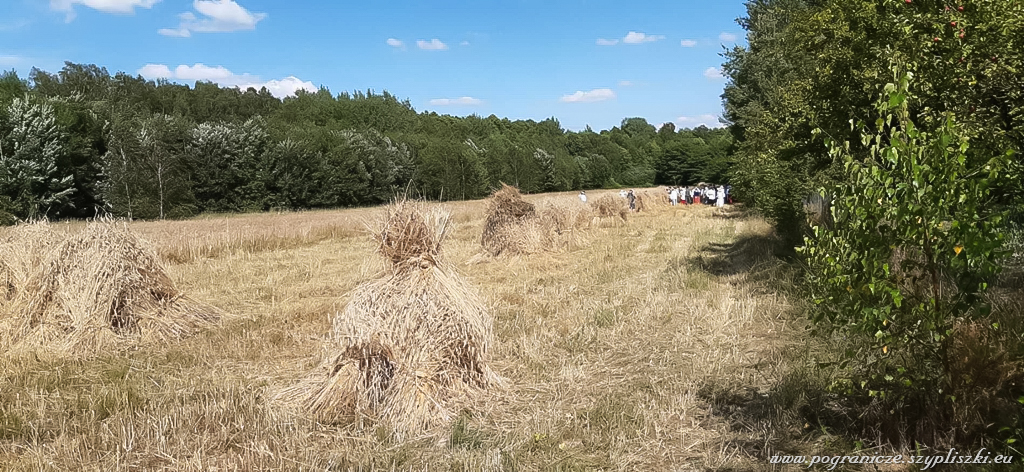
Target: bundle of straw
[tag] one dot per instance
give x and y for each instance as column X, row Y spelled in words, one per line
column 22, row 250
column 563, row 222
column 609, row 206
column 101, row 289
column 655, row 198
column 511, row 224
column 410, row 346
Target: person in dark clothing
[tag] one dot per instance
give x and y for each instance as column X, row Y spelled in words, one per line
column 632, row 200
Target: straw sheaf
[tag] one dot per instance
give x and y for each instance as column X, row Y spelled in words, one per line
column 101, row 289
column 516, row 227
column 564, row 223
column 653, row 198
column 411, row 346
column 510, row 226
column 409, row 236
column 609, row 206
column 22, row 250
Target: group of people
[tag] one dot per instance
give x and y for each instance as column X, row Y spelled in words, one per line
column 630, row 198
column 707, row 194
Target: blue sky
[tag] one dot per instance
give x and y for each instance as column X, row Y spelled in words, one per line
column 583, row 62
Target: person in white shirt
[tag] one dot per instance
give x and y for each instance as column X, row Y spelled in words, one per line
column 721, row 196
column 673, row 196
column 710, row 194
column 583, row 197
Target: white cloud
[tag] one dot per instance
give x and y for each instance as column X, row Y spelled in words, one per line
column 595, row 95
column 687, row 43
column 395, row 43
column 10, row 60
column 607, row 42
column 713, row 73
column 284, row 87
column 432, row 45
column 224, row 77
column 155, row 71
column 634, row 37
column 708, row 120
column 727, row 37
column 464, row 43
column 203, row 72
column 14, row 25
column 625, row 83
column 218, row 16
column 176, row 32
column 120, row 7
column 465, row 101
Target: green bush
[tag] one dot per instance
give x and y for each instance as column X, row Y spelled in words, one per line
column 7, row 211
column 915, row 243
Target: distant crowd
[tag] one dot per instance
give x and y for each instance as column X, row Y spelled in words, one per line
column 707, row 194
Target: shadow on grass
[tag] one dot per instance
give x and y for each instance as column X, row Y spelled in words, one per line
column 796, row 414
column 731, row 212
column 1010, row 279
column 758, row 258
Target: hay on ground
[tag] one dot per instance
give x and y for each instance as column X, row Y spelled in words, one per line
column 511, row 224
column 564, row 215
column 101, row 288
column 610, row 206
column 563, row 222
column 515, row 227
column 410, row 347
column 652, row 199
column 22, row 250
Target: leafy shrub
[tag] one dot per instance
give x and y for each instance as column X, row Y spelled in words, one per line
column 901, row 273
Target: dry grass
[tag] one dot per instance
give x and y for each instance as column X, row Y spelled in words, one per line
column 618, row 354
column 654, row 198
column 216, row 236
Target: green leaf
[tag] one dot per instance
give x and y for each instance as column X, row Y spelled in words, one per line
column 896, row 100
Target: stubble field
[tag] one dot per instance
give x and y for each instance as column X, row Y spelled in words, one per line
column 642, row 349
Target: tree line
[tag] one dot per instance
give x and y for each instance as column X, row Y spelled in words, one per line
column 82, row 142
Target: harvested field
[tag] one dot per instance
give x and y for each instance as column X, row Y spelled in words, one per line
column 636, row 351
